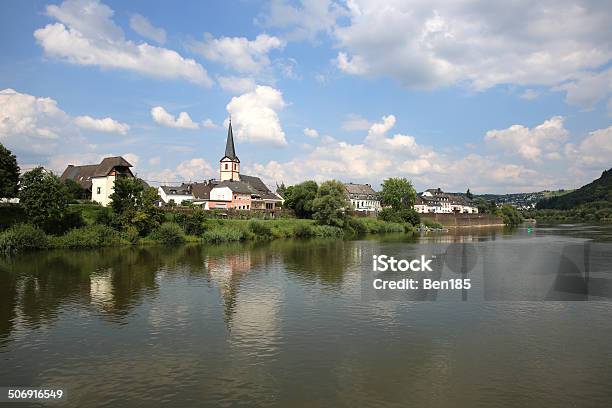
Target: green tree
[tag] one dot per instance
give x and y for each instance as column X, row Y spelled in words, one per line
column 330, row 204
column 134, row 204
column 300, row 198
column 44, row 198
column 469, row 194
column 74, row 190
column 510, row 215
column 9, row 173
column 398, row 193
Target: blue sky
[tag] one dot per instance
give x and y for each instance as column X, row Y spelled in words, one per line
column 506, row 98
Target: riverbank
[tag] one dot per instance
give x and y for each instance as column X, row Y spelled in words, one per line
column 179, row 229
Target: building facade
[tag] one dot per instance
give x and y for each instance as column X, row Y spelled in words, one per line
column 435, row 200
column 363, row 197
column 98, row 180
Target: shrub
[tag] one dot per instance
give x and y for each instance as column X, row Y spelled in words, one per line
column 358, row 226
column 131, row 235
column 303, row 231
column 194, row 223
column 431, row 223
column 22, row 237
column 327, row 231
column 408, row 215
column 220, row 235
column 168, row 233
column 92, row 236
column 260, row 229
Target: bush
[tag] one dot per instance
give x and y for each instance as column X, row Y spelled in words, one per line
column 303, row 231
column 168, row 233
column 327, row 231
column 92, row 236
column 357, row 226
column 131, row 235
column 260, row 229
column 408, row 215
column 431, row 223
column 221, row 235
column 22, row 237
column 194, row 223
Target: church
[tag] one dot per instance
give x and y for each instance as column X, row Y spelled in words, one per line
column 232, row 190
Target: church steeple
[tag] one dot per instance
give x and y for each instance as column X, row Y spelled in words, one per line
column 230, row 151
column 229, row 166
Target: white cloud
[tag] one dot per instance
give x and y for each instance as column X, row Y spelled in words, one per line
column 154, row 161
column 107, row 125
column 86, row 35
column 209, row 124
column 236, row 85
column 595, row 151
column 162, row 117
column 304, row 21
column 530, row 143
column 428, row 44
column 255, row 118
column 196, row 169
column 143, row 26
column 588, row 88
column 355, row 122
column 311, row 132
column 238, row 53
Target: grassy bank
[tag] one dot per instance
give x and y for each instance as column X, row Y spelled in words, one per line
column 21, row 236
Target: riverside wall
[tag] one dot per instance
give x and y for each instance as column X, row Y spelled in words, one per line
column 464, row 220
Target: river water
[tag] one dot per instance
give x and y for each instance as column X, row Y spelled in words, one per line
column 294, row 323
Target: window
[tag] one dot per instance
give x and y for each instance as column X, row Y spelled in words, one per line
column 98, row 190
column 269, row 206
column 234, row 166
column 225, row 166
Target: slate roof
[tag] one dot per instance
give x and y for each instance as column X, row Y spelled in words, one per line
column 183, row 189
column 201, row 191
column 237, row 187
column 259, row 186
column 80, row 174
column 360, row 191
column 107, row 164
column 84, row 174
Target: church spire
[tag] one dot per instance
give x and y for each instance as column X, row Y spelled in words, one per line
column 230, row 151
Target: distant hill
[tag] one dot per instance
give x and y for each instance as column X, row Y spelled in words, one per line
column 597, row 190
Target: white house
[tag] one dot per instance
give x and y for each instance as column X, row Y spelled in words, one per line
column 363, row 197
column 99, row 179
column 176, row 194
column 434, row 200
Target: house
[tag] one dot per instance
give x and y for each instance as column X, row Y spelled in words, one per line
column 434, row 200
column 235, row 190
column 98, row 180
column 177, row 195
column 363, row 197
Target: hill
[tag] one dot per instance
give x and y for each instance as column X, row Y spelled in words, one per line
column 597, row 190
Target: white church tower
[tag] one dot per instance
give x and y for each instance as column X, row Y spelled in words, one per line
column 229, row 165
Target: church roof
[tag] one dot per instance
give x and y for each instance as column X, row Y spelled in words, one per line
column 230, row 150
column 84, row 174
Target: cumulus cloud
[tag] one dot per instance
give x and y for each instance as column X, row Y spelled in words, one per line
column 107, row 125
column 303, row 21
column 433, row 44
column 236, row 85
column 311, row 132
column 86, row 35
column 255, row 116
column 209, row 124
column 195, row 169
column 238, row 53
column 588, row 88
column 595, row 151
column 530, row 143
column 530, row 94
column 164, row 118
column 143, row 26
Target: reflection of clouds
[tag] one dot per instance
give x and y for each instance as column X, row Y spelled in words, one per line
column 101, row 288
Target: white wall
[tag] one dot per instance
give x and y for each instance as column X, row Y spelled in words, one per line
column 221, row 194
column 106, row 187
column 178, row 198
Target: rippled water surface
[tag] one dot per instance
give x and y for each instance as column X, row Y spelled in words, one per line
column 286, row 323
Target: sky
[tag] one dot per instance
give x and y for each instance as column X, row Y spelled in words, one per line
column 505, row 97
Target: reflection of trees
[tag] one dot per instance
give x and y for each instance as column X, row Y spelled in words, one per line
column 323, row 261
column 36, row 285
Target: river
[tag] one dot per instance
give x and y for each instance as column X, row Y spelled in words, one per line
column 296, row 324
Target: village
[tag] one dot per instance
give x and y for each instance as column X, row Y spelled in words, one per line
column 236, row 191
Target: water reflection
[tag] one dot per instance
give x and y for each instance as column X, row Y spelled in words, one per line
column 283, row 323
